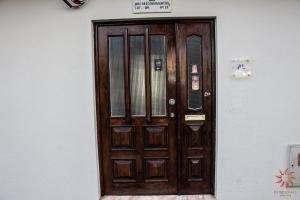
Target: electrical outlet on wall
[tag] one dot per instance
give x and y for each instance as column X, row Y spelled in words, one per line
column 294, row 163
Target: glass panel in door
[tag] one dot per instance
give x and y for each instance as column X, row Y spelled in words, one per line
column 158, row 75
column 116, row 73
column 194, row 62
column 137, row 76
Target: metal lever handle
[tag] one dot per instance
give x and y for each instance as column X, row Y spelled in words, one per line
column 206, row 94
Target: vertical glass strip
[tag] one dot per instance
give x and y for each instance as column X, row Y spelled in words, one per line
column 194, row 62
column 116, row 73
column 137, row 75
column 158, row 74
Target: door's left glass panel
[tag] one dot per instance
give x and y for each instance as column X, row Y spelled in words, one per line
column 116, row 75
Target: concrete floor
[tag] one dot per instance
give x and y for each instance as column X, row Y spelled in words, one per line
column 165, row 197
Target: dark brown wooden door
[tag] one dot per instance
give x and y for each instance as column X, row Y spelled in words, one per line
column 196, row 108
column 137, row 77
column 153, row 82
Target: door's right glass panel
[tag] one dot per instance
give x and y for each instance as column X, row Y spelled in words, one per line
column 158, row 75
column 194, row 65
column 137, row 76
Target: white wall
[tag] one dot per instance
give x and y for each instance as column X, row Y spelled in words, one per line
column 47, row 122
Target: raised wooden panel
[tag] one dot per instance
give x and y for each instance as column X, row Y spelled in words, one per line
column 194, row 136
column 124, row 171
column 156, row 169
column 122, row 137
column 195, row 169
column 156, row 137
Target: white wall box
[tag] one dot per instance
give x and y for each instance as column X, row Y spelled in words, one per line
column 294, row 164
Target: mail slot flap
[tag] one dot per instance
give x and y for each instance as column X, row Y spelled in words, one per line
column 194, row 117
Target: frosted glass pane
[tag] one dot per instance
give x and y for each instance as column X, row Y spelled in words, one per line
column 137, row 76
column 116, row 72
column 194, row 72
column 158, row 74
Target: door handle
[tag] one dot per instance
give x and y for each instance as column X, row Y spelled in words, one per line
column 206, row 94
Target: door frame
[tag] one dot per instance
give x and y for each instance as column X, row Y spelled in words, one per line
column 146, row 21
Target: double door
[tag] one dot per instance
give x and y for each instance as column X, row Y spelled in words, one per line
column 155, row 109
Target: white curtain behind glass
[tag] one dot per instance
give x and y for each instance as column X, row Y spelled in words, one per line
column 116, row 71
column 137, row 76
column 158, row 77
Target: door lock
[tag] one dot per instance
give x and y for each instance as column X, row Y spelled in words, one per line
column 172, row 102
column 172, row 115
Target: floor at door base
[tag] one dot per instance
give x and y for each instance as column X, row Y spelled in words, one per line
column 164, row 197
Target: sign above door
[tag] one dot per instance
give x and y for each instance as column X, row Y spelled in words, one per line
column 151, row 6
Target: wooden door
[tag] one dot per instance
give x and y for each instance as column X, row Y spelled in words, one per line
column 196, row 108
column 136, row 78
column 155, row 107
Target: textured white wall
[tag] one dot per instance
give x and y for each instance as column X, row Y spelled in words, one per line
column 47, row 122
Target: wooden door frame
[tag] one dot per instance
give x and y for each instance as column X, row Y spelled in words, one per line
column 146, row 21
